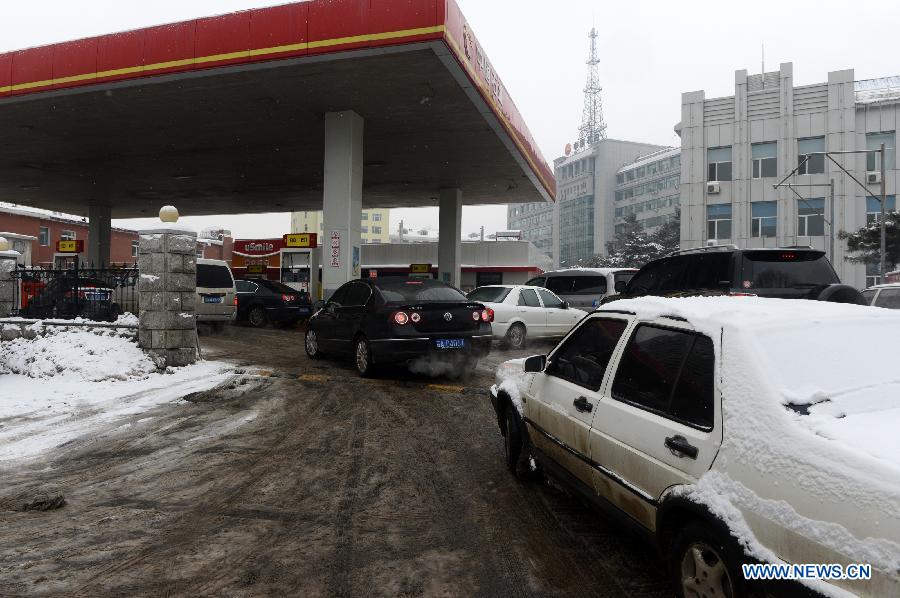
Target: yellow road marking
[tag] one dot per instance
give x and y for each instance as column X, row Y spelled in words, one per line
column 313, row 378
column 445, row 388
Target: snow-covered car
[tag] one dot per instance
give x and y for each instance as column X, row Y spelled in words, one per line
column 883, row 295
column 521, row 312
column 731, row 430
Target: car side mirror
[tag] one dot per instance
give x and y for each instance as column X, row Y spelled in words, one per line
column 565, row 305
column 535, row 363
column 318, row 305
column 621, row 285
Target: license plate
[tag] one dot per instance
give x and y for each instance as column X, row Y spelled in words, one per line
column 450, row 343
column 212, row 300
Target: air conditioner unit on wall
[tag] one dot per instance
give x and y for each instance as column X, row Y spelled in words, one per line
column 712, row 188
column 873, row 178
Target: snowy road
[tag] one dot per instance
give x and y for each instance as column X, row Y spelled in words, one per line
column 303, row 479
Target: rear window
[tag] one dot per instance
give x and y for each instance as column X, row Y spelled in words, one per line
column 577, row 285
column 668, row 372
column 623, row 277
column 419, row 291
column 243, row 286
column 704, row 271
column 214, row 277
column 489, row 294
column 786, row 270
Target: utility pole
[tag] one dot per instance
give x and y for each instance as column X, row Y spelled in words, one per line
column 831, row 224
column 883, row 203
column 482, row 232
column 400, row 232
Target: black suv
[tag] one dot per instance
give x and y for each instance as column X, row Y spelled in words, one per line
column 786, row 273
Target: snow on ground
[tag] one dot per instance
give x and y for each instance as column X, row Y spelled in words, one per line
column 86, row 355
column 74, row 382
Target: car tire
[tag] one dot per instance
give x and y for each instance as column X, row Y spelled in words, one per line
column 362, row 357
column 311, row 344
column 257, row 317
column 515, row 337
column 706, row 560
column 512, row 440
column 842, row 293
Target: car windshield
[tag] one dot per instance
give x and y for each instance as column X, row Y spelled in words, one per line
column 489, row 294
column 419, row 291
column 786, row 270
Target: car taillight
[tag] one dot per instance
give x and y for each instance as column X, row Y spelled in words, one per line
column 401, row 318
column 235, row 302
column 476, row 315
column 287, row 298
column 487, row 315
column 416, row 317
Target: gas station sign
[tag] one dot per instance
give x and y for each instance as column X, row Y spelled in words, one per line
column 256, row 268
column 301, row 240
column 70, row 246
column 420, row 268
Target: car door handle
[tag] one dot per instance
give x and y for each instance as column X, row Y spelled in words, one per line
column 680, row 447
column 581, row 404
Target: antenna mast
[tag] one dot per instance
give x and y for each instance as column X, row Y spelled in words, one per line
column 592, row 128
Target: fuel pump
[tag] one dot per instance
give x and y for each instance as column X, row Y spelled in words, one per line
column 300, row 263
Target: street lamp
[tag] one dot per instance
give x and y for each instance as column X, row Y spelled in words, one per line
column 882, row 199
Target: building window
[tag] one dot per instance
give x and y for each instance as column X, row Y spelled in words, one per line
column 67, row 235
column 135, row 248
column 763, row 217
column 805, row 148
column 811, row 217
column 718, row 221
column 718, row 160
column 376, row 217
column 873, row 208
column 365, row 229
column 365, row 216
column 873, row 159
column 620, row 178
column 765, row 162
column 44, row 236
column 629, row 175
column 376, row 230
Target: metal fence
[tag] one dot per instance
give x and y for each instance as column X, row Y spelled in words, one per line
column 77, row 292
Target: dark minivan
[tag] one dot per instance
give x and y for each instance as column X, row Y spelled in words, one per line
column 785, row 273
column 400, row 320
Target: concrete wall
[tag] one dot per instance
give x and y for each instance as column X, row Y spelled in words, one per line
column 771, row 108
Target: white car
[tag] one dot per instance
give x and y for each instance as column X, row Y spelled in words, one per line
column 731, row 430
column 522, row 312
column 884, row 295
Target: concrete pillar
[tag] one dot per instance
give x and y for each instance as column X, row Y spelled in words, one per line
column 99, row 234
column 168, row 293
column 449, row 234
column 8, row 285
column 342, row 199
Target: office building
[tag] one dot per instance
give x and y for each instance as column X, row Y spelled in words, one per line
column 648, row 189
column 735, row 149
column 376, row 224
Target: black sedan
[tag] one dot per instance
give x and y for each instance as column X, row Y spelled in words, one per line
column 401, row 320
column 75, row 298
column 262, row 301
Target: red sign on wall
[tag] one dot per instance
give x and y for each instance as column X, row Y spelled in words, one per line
column 258, row 246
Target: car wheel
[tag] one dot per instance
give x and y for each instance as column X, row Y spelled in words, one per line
column 512, row 440
column 515, row 337
column 842, row 293
column 706, row 562
column 362, row 353
column 257, row 317
column 311, row 343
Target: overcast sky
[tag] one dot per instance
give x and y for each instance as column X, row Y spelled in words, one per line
column 650, row 52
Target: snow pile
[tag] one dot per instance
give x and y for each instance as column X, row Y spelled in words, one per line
column 76, row 354
column 127, row 319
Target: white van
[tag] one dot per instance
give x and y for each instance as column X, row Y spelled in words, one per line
column 216, row 301
column 584, row 288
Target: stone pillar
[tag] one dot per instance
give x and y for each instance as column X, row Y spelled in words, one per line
column 167, row 285
column 99, row 234
column 8, row 260
column 449, row 236
column 342, row 199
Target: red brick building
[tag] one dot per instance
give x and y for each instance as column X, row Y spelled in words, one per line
column 48, row 228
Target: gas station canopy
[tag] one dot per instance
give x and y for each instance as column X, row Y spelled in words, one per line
column 225, row 114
